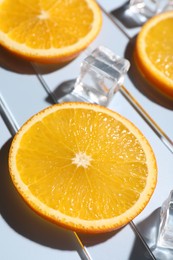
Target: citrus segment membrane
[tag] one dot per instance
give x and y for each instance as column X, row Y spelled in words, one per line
column 83, row 166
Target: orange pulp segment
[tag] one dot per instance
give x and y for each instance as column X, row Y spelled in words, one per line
column 48, row 31
column 154, row 52
column 83, row 167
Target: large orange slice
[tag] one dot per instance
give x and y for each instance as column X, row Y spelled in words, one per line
column 154, row 52
column 83, row 167
column 48, row 30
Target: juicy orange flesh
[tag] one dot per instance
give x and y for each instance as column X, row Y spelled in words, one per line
column 110, row 185
column 45, row 24
column 159, row 46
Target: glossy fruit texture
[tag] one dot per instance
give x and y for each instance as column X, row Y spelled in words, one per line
column 83, row 167
column 51, row 31
column 154, row 52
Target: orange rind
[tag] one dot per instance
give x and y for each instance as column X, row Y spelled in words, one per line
column 83, row 167
column 49, row 31
column 154, row 52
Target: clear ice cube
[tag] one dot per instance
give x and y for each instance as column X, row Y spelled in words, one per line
column 165, row 234
column 148, row 8
column 101, row 75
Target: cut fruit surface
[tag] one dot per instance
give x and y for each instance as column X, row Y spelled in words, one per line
column 154, row 52
column 83, row 167
column 48, row 31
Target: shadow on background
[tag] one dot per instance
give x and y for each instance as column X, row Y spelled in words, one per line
column 10, row 62
column 149, row 230
column 140, row 82
column 64, row 88
column 127, row 17
column 90, row 240
column 25, row 221
column 139, row 252
column 13, row 63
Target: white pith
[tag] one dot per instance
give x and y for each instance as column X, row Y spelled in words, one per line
column 82, row 159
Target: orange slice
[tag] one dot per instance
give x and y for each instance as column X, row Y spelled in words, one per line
column 49, row 31
column 83, row 167
column 154, row 52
